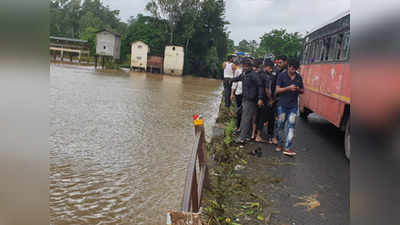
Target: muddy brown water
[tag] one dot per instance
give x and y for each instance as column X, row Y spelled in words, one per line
column 120, row 143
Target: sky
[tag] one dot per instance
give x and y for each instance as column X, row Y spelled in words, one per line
column 250, row 19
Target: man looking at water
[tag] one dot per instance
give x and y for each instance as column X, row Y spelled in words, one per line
column 229, row 69
column 237, row 95
column 252, row 96
column 289, row 85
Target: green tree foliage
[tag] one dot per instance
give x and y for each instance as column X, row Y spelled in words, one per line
column 230, row 46
column 150, row 30
column 244, row 46
column 280, row 42
column 253, row 45
column 197, row 25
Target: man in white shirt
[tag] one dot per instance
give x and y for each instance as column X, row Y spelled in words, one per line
column 229, row 71
column 237, row 95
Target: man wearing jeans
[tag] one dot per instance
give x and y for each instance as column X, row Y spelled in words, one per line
column 289, row 85
column 229, row 71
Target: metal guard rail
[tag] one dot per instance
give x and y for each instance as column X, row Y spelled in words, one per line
column 193, row 191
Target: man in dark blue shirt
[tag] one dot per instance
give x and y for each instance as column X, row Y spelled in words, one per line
column 288, row 85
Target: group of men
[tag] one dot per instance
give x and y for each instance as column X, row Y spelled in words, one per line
column 266, row 95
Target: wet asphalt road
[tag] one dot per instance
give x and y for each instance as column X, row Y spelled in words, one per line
column 318, row 175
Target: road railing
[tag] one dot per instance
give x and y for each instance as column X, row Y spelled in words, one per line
column 196, row 179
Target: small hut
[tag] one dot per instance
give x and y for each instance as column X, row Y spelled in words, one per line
column 139, row 51
column 173, row 60
column 108, row 43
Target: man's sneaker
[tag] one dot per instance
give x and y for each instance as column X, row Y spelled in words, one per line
column 278, row 148
column 289, row 152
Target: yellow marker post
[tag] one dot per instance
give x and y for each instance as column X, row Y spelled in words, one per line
column 197, row 120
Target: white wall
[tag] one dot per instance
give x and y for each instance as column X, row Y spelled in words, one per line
column 173, row 60
column 117, row 50
column 105, row 43
column 139, row 55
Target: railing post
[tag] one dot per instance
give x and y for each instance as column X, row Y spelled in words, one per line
column 194, row 184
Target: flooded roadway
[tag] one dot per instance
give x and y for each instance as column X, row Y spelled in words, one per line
column 120, row 143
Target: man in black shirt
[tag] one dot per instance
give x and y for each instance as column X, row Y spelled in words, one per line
column 262, row 111
column 252, row 97
column 269, row 71
column 289, row 85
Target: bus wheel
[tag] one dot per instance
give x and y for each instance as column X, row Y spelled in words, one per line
column 305, row 113
column 347, row 140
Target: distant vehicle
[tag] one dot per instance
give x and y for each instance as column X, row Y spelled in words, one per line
column 326, row 74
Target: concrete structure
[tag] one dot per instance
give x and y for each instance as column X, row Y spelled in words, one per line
column 108, row 43
column 139, row 52
column 173, row 60
column 74, row 47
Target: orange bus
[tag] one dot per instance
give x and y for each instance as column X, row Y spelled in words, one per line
column 326, row 74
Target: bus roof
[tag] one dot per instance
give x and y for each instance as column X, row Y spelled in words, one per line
column 336, row 18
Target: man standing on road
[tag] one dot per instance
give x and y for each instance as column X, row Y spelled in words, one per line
column 281, row 68
column 252, row 96
column 262, row 111
column 289, row 85
column 268, row 69
column 237, row 95
column 229, row 70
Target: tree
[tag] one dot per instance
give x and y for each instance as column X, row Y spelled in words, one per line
column 150, row 30
column 279, row 42
column 230, row 46
column 244, row 46
column 89, row 34
column 253, row 45
column 171, row 10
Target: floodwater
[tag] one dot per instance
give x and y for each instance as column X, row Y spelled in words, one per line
column 120, row 143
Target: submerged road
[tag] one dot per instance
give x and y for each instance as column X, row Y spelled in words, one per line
column 311, row 188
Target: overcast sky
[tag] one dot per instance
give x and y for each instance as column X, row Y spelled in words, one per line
column 250, row 19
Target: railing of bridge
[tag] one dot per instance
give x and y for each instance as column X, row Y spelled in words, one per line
column 197, row 171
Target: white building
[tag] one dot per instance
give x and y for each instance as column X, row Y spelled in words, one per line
column 173, row 60
column 139, row 52
column 108, row 43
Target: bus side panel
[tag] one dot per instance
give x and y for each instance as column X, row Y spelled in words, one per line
column 323, row 87
column 311, row 83
column 346, row 82
column 329, row 106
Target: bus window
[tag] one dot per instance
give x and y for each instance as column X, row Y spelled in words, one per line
column 346, row 46
column 327, row 48
column 333, row 48
column 339, row 46
column 320, row 50
column 305, row 54
column 311, row 56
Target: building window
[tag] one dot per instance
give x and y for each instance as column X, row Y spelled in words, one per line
column 139, row 46
column 138, row 58
column 104, row 47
